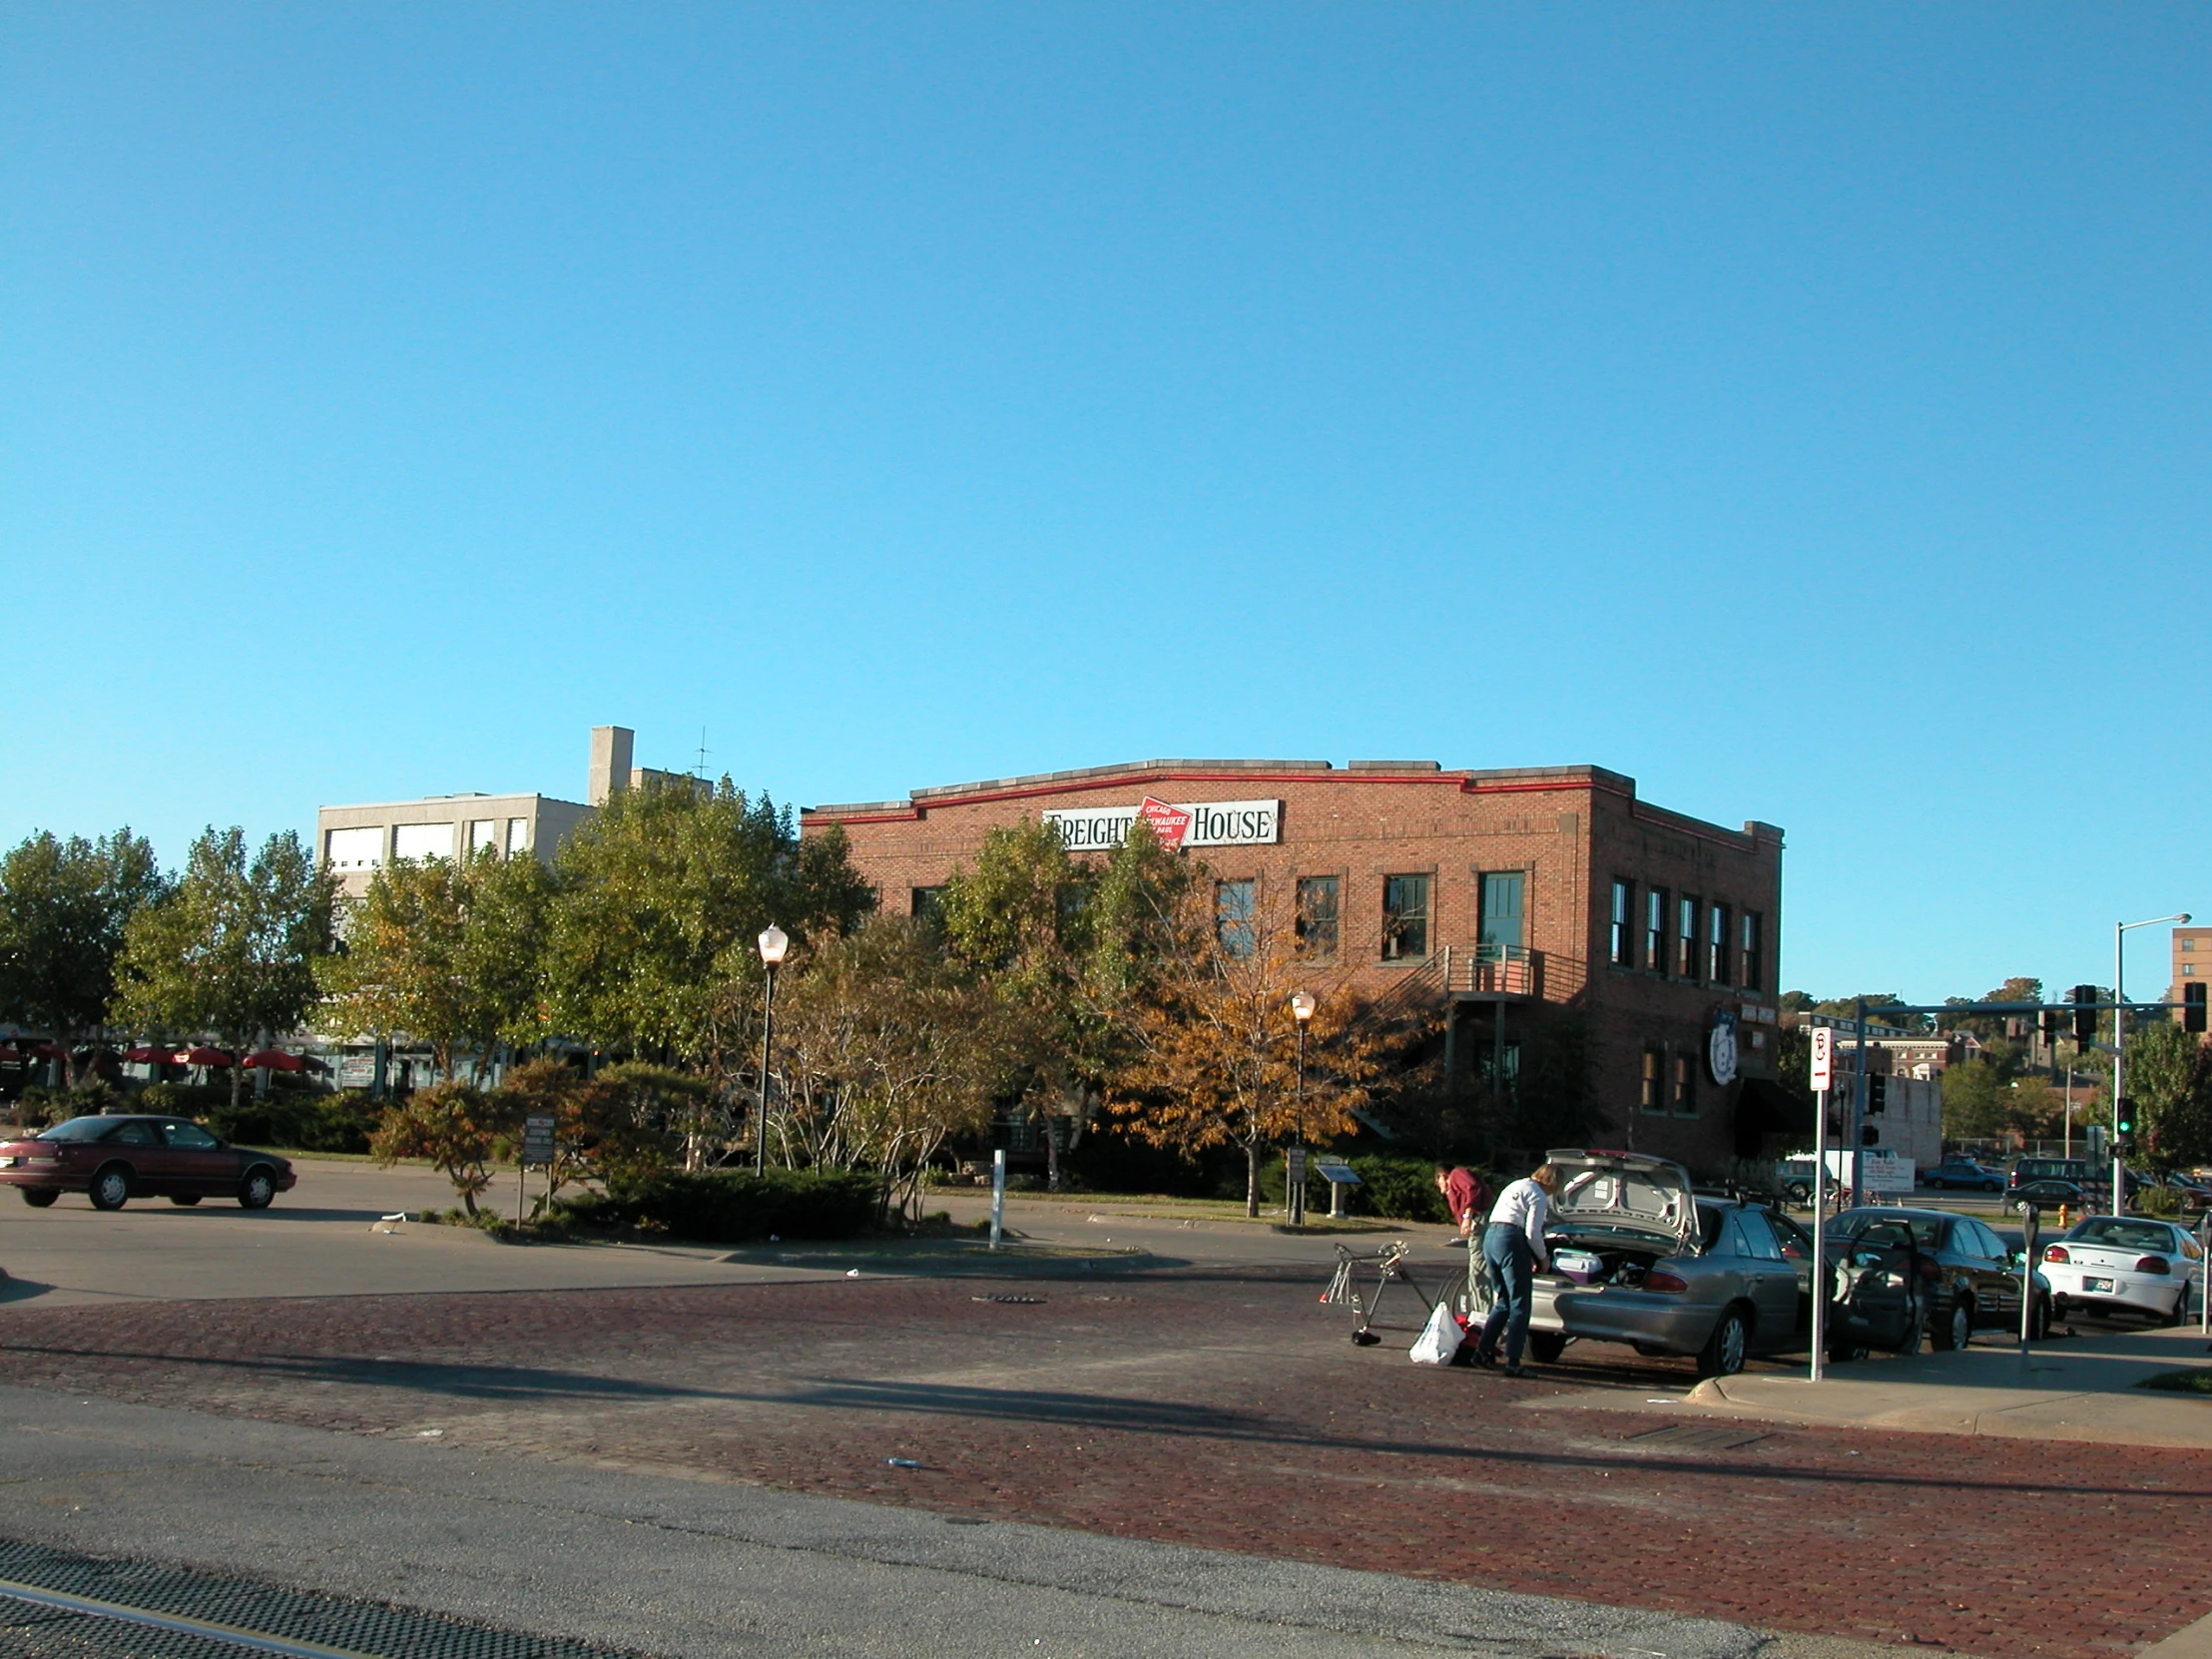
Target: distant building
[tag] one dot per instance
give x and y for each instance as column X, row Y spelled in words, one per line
column 2192, row 963
column 356, row 841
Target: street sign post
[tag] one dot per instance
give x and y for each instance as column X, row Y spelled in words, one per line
column 2031, row 1228
column 1823, row 1066
column 1824, row 1059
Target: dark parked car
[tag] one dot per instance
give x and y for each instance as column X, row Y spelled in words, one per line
column 113, row 1160
column 2026, row 1171
column 1909, row 1270
column 2048, row 1194
column 1964, row 1172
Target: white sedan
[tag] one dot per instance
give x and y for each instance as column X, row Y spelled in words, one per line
column 2105, row 1264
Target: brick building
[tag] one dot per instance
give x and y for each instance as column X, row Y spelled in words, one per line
column 1510, row 897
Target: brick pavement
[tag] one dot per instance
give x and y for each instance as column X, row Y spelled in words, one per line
column 1222, row 1410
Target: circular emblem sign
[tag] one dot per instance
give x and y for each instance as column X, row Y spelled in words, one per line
column 1720, row 1048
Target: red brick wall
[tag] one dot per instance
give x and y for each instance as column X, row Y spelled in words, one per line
column 1570, row 832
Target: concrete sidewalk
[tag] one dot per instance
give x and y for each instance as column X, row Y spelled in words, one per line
column 2078, row 1388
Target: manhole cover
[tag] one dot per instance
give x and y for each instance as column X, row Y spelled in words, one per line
column 1697, row 1436
column 1022, row 1301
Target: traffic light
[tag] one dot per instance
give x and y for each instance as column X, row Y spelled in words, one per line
column 2192, row 1007
column 1870, row 1134
column 2085, row 1017
column 2051, row 1026
column 2123, row 1127
column 1878, row 1095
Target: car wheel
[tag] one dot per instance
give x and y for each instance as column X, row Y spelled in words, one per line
column 1723, row 1353
column 38, row 1198
column 111, row 1188
column 1993, row 1187
column 1913, row 1327
column 1546, row 1347
column 1841, row 1354
column 183, row 1200
column 1956, row 1330
column 1933, row 1184
column 2038, row 1320
column 257, row 1190
column 2180, row 1309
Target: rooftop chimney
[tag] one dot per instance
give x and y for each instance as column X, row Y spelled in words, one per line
column 610, row 762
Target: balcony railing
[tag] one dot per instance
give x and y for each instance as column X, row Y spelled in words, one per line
column 1482, row 971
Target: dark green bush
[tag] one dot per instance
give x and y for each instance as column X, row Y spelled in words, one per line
column 727, row 1206
column 1404, row 1189
column 288, row 1119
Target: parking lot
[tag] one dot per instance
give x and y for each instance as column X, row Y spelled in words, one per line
column 1195, row 1393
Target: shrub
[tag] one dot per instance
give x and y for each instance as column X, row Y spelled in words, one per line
column 2156, row 1201
column 39, row 1106
column 727, row 1206
column 1404, row 1189
column 293, row 1120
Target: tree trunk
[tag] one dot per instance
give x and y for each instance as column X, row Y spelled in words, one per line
column 235, row 1079
column 1051, row 1155
column 1252, row 1179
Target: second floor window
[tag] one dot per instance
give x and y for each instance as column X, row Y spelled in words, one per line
column 1717, row 941
column 1655, row 930
column 1404, row 919
column 1685, row 938
column 1501, row 908
column 1754, row 964
column 1232, row 912
column 1620, row 943
column 1317, row 916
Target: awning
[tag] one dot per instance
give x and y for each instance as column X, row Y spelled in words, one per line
column 202, row 1057
column 1763, row 1109
column 276, row 1059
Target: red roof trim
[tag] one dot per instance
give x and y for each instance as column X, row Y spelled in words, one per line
column 1123, row 779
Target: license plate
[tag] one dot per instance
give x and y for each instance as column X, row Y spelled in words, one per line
column 2096, row 1284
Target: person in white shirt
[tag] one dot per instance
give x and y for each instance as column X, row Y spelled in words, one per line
column 1512, row 1250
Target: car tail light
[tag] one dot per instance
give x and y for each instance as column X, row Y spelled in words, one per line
column 1659, row 1279
column 2056, row 1252
column 2154, row 1264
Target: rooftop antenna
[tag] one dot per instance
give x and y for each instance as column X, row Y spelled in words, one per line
column 702, row 771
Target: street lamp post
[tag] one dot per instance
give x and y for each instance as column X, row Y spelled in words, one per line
column 2120, row 931
column 1301, row 1010
column 773, row 943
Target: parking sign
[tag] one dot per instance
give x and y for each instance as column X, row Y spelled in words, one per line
column 1824, row 1055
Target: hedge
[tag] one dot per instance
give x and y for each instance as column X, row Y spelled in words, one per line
column 727, row 1206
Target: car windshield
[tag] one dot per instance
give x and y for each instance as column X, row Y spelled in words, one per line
column 78, row 1128
column 2121, row 1234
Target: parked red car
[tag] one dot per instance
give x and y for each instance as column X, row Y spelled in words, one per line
column 113, row 1160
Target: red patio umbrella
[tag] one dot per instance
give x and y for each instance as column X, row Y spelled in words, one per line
column 276, row 1059
column 147, row 1056
column 202, row 1057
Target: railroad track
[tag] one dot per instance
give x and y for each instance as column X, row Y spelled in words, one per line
column 58, row 1605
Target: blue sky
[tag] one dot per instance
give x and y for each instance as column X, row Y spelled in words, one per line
column 1802, row 409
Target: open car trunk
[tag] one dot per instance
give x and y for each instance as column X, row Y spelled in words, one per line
column 1623, row 1204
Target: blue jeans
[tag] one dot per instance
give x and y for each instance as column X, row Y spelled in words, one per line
column 1512, row 1268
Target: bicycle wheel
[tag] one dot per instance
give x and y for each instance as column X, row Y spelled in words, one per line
column 1468, row 1293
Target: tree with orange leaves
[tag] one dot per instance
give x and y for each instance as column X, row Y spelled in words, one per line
column 1216, row 1043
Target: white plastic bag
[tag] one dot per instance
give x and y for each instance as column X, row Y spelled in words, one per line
column 1439, row 1338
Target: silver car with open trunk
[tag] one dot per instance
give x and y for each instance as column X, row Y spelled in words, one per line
column 1659, row 1267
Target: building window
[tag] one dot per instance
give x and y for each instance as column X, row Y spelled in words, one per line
column 1317, row 917
column 1404, row 919
column 1685, row 1085
column 1655, row 930
column 1717, row 942
column 422, row 840
column 483, row 835
column 926, row 905
column 354, row 848
column 1654, row 1067
column 1685, row 938
column 1620, row 940
column 518, row 835
column 1232, row 912
column 1754, row 965
column 2188, row 970
column 1501, row 908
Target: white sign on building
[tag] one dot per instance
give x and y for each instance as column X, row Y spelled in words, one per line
column 1200, row 824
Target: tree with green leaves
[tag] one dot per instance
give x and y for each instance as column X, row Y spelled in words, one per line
column 232, row 950
column 64, row 905
column 1070, row 948
column 456, row 1127
column 448, row 953
column 887, row 1048
column 2169, row 1078
column 650, row 937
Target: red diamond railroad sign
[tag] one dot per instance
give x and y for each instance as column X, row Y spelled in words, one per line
column 1169, row 823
